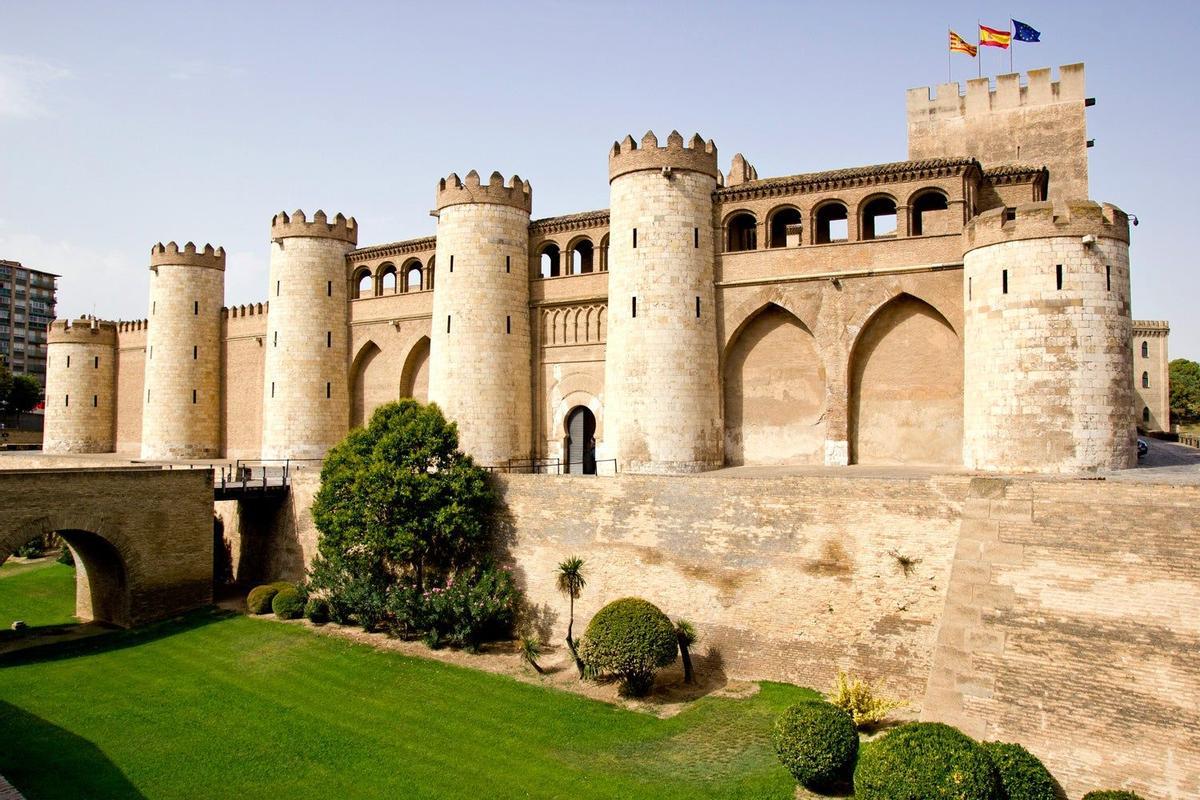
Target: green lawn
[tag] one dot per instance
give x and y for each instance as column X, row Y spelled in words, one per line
column 42, row 593
column 228, row 706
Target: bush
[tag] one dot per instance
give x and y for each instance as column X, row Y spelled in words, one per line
column 1022, row 775
column 288, row 603
column 65, row 557
column 474, row 606
column 923, row 760
column 865, row 705
column 817, row 742
column 632, row 639
column 316, row 610
column 1112, row 794
column 260, row 597
column 31, row 549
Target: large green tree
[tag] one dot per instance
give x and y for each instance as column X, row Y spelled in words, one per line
column 1185, row 390
column 23, row 394
column 400, row 503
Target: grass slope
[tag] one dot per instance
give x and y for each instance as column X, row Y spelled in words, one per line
column 42, row 593
column 220, row 706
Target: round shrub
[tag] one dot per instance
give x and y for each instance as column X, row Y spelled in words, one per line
column 632, row 639
column 1112, row 794
column 316, row 610
column 924, row 760
column 817, row 742
column 1022, row 774
column 260, row 597
column 288, row 603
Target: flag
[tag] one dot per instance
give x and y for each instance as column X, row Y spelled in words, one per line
column 960, row 45
column 1025, row 33
column 990, row 37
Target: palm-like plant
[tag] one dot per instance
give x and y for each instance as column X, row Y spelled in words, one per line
column 531, row 649
column 571, row 582
column 685, row 632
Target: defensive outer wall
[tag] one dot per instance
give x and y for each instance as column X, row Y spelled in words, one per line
column 1059, row 613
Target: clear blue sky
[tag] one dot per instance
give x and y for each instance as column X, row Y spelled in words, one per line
column 127, row 123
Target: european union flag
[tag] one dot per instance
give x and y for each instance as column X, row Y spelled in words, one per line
column 1025, row 33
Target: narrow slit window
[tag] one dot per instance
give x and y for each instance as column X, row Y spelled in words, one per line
column 95, row 401
column 1108, row 278
column 195, row 352
column 69, row 359
column 696, row 237
column 329, row 338
column 67, row 399
column 508, row 263
column 697, row 308
column 1058, row 276
column 272, row 388
column 328, row 390
column 153, row 307
column 508, row 324
column 635, row 307
column 275, row 342
column 96, row 365
column 968, row 289
column 196, row 307
column 452, row 263
column 635, row 237
column 329, row 288
column 193, row 397
column 447, row 323
column 151, row 355
column 1004, row 281
column 147, row 395
column 277, row 288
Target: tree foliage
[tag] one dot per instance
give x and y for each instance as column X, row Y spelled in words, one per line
column 18, row 393
column 1185, row 390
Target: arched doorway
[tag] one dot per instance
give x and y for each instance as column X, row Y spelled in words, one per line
column 774, row 383
column 101, row 579
column 414, row 378
column 906, row 388
column 580, row 446
column 370, row 384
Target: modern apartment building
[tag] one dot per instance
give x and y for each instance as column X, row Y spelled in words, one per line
column 27, row 299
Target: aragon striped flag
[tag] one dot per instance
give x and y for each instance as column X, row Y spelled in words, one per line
column 961, row 45
column 990, row 37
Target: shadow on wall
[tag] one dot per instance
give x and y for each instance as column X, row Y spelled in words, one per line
column 262, row 539
column 44, row 760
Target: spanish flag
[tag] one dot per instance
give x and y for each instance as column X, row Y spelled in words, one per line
column 960, row 45
column 990, row 37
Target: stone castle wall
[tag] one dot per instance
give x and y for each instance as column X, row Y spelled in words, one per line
column 480, row 342
column 81, row 389
column 181, row 416
column 1152, row 403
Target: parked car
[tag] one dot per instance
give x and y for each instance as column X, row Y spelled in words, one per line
column 1143, row 448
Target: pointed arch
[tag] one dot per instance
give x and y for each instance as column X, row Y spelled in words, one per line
column 773, row 380
column 906, row 385
column 368, row 384
column 414, row 378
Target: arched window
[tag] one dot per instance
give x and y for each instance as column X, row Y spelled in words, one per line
column 1145, row 380
column 1145, row 349
column 741, row 233
column 582, row 254
column 549, row 261
column 832, row 223
column 413, row 277
column 363, row 283
column 920, row 212
column 785, row 228
column 387, row 279
column 879, row 218
column 1145, row 414
column 604, row 253
column 429, row 274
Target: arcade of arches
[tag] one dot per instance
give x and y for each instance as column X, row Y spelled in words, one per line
column 376, row 379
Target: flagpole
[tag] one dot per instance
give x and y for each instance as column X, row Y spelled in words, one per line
column 948, row 54
column 979, row 50
column 1010, row 45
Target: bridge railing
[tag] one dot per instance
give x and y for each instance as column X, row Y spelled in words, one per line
column 552, row 466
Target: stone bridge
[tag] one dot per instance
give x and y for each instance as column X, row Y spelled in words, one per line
column 142, row 537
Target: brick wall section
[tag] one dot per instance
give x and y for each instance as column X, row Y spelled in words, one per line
column 1070, row 627
column 787, row 577
column 131, row 386
column 160, row 523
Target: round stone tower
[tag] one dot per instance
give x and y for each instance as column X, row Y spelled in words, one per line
column 479, row 349
column 181, row 408
column 662, row 392
column 81, row 387
column 306, row 406
column 1047, row 360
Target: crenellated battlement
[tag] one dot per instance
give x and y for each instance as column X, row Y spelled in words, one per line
column 454, row 191
column 981, row 98
column 247, row 310
column 284, row 226
column 740, row 171
column 132, row 325
column 1046, row 220
column 629, row 156
column 85, row 330
column 189, row 255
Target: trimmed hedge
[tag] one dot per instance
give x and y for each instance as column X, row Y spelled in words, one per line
column 316, row 610
column 1022, row 774
column 288, row 603
column 817, row 742
column 632, row 639
column 1112, row 794
column 924, row 760
column 260, row 597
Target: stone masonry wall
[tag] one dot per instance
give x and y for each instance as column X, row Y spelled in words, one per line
column 1071, row 627
column 81, row 388
column 1156, row 366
